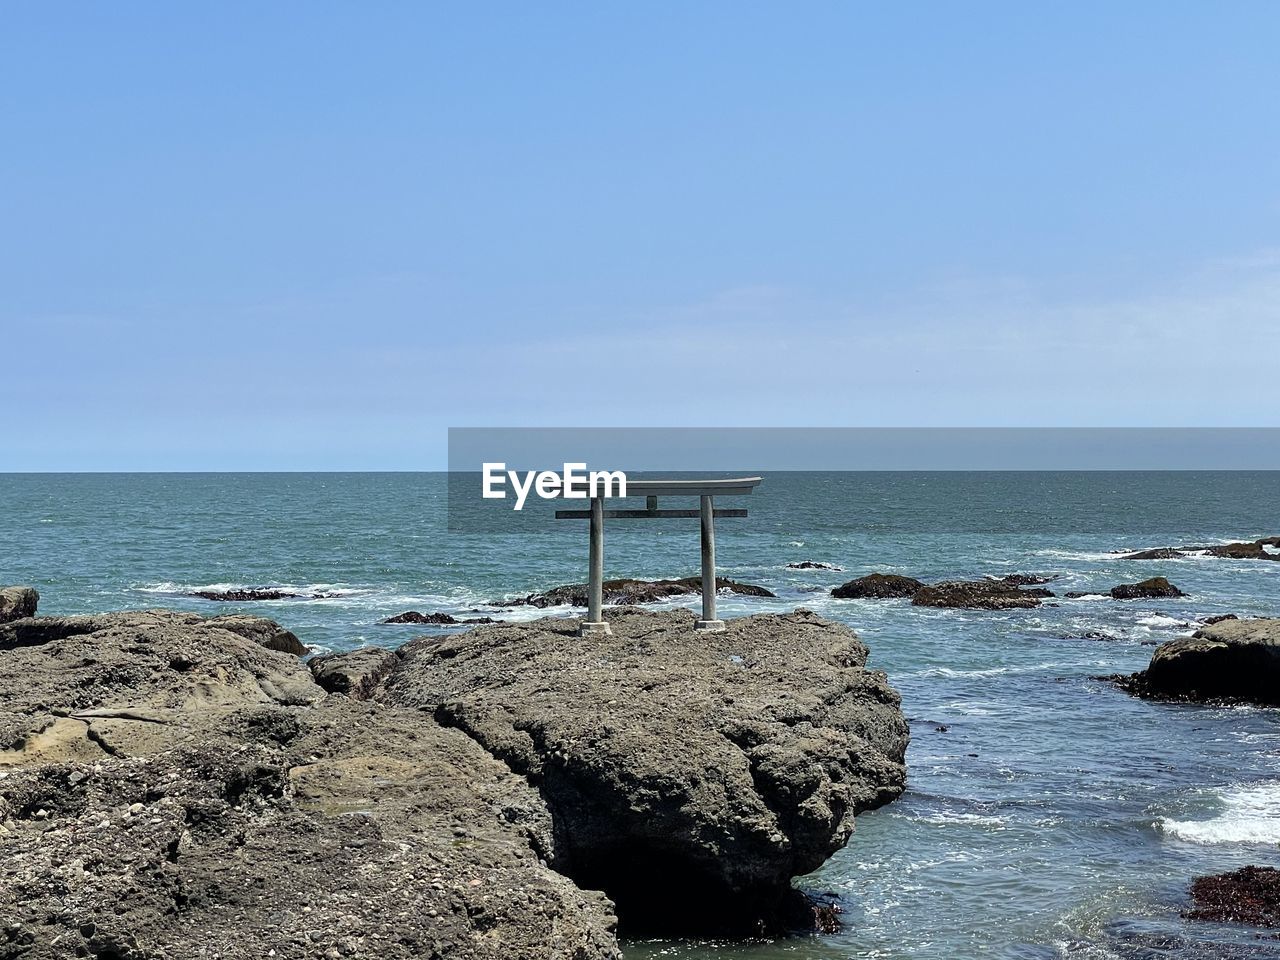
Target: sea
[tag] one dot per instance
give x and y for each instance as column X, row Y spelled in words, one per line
column 1047, row 813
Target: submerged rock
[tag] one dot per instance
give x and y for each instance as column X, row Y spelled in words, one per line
column 1249, row 895
column 1025, row 579
column 174, row 788
column 626, row 592
column 436, row 619
column 1245, row 550
column 254, row 594
column 812, row 565
column 18, row 602
column 689, row 775
column 1228, row 660
column 1155, row 587
column 979, row 595
column 1158, row 553
column 1253, row 550
column 877, row 586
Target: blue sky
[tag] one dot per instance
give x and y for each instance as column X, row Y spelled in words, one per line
column 315, row 235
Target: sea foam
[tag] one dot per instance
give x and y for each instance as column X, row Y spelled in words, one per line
column 1249, row 814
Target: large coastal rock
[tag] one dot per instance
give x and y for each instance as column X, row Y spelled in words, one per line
column 690, row 775
column 878, row 586
column 626, row 592
column 1227, row 660
column 979, row 595
column 175, row 787
column 17, row 602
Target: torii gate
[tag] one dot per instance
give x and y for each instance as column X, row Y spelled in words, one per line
column 706, row 491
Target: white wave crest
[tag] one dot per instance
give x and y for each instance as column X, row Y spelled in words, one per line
column 1250, row 814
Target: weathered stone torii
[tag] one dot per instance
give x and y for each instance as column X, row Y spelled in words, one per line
column 705, row 490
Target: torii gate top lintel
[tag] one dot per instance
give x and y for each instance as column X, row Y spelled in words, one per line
column 706, row 491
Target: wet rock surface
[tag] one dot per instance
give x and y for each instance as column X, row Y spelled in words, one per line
column 18, row 602
column 253, row 595
column 434, row 619
column 689, row 775
column 1243, row 550
column 989, row 594
column 173, row 788
column 1153, row 588
column 979, row 595
column 878, row 586
column 812, row 565
column 626, row 592
column 1231, row 660
column 1250, row 895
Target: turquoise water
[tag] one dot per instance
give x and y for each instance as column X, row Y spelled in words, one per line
column 1054, row 817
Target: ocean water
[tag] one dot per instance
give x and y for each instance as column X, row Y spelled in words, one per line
column 1048, row 814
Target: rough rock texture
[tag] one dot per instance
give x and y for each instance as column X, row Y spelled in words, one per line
column 877, row 586
column 690, row 775
column 978, row 595
column 18, row 602
column 1155, row 587
column 435, row 619
column 626, row 592
column 172, row 788
column 263, row 632
column 1228, row 660
column 1249, row 895
column 1246, row 550
column 812, row 565
column 356, row 673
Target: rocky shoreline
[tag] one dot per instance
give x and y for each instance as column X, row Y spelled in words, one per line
column 174, row 785
column 628, row 591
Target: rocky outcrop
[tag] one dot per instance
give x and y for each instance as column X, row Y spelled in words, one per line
column 812, row 565
column 166, row 774
column 878, row 586
column 356, row 673
column 627, row 592
column 1025, row 579
column 263, row 632
column 434, row 619
column 1246, row 550
column 174, row 788
column 18, row 602
column 689, row 775
column 1250, row 895
column 1235, row 660
column 1157, row 553
column 254, row 594
column 1252, row 550
column 1153, row 588
column 979, row 595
